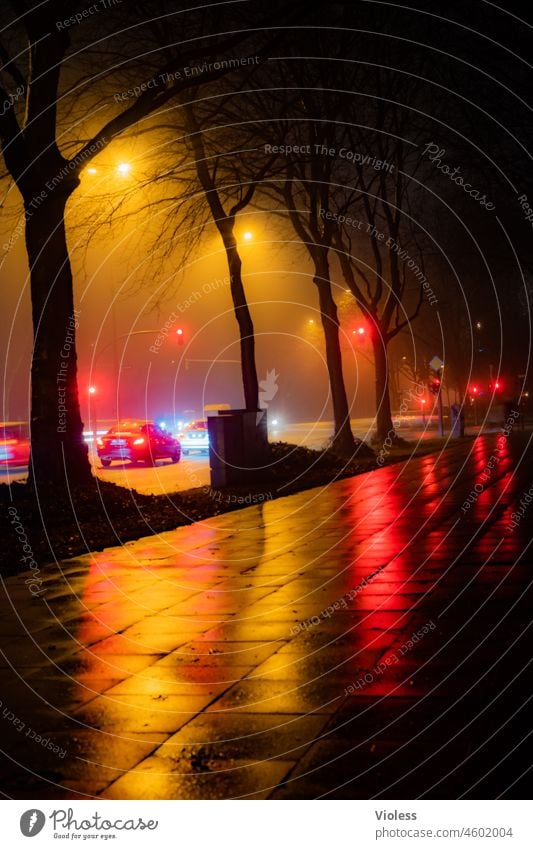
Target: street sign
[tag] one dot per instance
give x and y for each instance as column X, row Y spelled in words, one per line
column 436, row 363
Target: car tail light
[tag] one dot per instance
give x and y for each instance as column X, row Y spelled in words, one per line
column 139, row 441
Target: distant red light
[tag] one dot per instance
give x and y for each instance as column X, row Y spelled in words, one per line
column 179, row 331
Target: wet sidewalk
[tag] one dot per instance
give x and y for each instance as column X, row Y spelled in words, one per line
column 366, row 639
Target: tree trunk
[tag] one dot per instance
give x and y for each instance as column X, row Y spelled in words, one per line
column 59, row 454
column 384, row 427
column 243, row 316
column 342, row 435
column 225, row 225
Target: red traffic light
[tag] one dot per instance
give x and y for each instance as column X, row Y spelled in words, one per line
column 434, row 387
column 179, row 334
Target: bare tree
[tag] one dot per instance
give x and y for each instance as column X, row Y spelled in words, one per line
column 316, row 234
column 56, row 88
column 208, row 168
column 380, row 243
column 301, row 138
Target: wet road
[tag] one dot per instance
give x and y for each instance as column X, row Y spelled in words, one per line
column 193, row 470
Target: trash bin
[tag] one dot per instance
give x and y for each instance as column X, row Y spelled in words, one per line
column 457, row 421
column 238, row 446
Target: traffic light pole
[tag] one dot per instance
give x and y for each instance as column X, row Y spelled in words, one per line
column 441, row 416
column 435, row 387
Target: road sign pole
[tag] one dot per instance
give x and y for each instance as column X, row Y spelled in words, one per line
column 441, row 416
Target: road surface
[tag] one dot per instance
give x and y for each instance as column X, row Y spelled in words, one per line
column 193, row 470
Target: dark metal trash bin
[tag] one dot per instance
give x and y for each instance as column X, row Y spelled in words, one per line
column 238, row 445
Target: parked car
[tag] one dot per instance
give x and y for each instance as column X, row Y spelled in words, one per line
column 139, row 442
column 14, row 444
column 195, row 437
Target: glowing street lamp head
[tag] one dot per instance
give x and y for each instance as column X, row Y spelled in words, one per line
column 124, row 168
column 92, row 390
column 247, row 236
column 92, row 171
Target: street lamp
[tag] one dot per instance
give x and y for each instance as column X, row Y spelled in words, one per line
column 122, row 168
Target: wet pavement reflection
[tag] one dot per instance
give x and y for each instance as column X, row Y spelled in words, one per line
column 369, row 638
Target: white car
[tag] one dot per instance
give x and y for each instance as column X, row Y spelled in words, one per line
column 195, row 437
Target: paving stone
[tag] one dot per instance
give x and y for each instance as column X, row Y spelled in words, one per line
column 273, row 652
column 145, row 713
column 159, row 778
column 245, row 736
